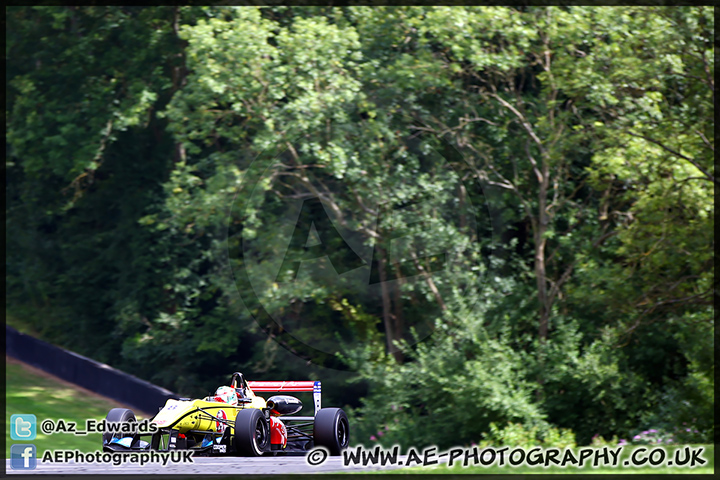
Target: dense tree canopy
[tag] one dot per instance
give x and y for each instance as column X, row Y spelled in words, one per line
column 507, row 211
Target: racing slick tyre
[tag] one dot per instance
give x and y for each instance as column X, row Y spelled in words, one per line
column 118, row 415
column 252, row 433
column 331, row 430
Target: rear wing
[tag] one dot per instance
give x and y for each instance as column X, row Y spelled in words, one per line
column 290, row 387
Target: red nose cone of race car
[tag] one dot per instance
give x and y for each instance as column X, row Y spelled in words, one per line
column 284, row 405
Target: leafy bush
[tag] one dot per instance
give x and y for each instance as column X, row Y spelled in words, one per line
column 588, row 388
column 450, row 389
column 518, row 435
column 599, row 441
column 653, row 436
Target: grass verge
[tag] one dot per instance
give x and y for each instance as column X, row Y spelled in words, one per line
column 28, row 390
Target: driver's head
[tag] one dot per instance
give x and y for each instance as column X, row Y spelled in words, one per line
column 226, row 395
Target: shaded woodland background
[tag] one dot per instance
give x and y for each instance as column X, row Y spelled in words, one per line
column 580, row 306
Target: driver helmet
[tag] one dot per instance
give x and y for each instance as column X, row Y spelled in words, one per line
column 226, row 395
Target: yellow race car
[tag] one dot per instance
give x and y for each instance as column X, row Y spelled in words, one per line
column 234, row 421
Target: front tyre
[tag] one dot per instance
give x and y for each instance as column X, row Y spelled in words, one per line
column 252, row 433
column 331, row 430
column 118, row 415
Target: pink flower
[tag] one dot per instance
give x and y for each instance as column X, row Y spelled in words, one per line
column 380, row 433
column 372, row 437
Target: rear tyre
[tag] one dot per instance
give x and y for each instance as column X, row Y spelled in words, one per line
column 118, row 415
column 331, row 430
column 252, row 433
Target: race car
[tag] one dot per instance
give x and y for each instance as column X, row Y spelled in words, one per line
column 253, row 427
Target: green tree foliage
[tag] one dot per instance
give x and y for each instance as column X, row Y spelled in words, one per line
column 86, row 156
column 521, row 203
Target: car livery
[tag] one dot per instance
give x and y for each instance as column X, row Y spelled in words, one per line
column 253, row 427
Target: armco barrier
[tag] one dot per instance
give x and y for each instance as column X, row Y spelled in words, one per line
column 87, row 373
